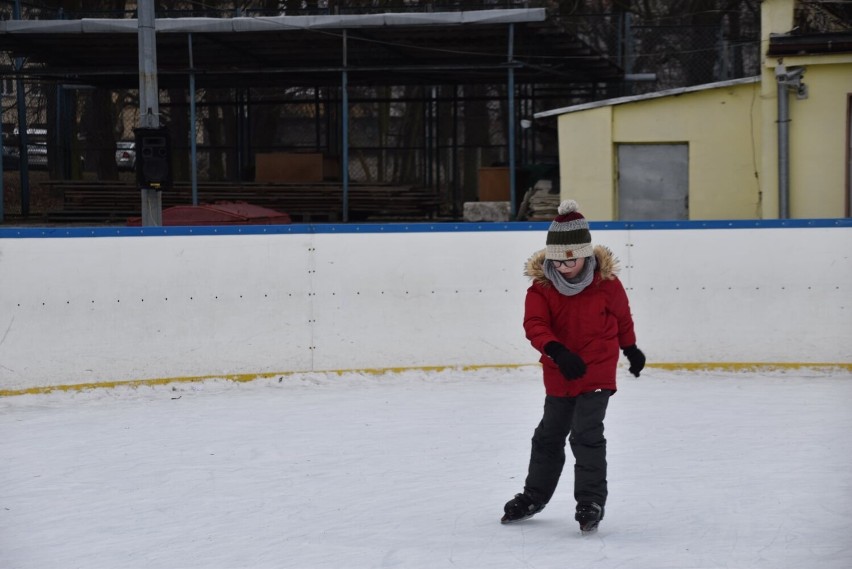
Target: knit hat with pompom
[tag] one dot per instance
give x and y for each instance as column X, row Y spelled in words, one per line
column 568, row 236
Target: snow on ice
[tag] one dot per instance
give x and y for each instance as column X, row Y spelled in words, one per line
column 411, row 470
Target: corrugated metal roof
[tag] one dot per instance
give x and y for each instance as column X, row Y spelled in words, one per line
column 276, row 23
column 647, row 96
column 382, row 49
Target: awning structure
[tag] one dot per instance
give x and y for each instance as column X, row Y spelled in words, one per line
column 508, row 47
column 409, row 48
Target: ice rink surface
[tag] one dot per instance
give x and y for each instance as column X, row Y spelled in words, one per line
column 411, row 470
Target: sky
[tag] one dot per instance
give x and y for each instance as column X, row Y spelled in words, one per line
column 707, row 469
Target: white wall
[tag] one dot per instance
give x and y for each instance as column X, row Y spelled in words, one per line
column 103, row 309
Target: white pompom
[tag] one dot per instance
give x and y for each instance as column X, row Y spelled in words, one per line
column 567, row 207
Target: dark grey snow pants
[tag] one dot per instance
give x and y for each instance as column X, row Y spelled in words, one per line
column 580, row 420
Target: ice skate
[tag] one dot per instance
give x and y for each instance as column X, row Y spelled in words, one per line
column 589, row 514
column 521, row 507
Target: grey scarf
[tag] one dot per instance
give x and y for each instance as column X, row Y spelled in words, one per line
column 570, row 287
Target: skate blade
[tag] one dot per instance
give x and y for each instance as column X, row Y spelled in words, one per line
column 589, row 528
column 505, row 520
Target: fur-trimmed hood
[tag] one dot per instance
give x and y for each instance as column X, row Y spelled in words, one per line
column 608, row 265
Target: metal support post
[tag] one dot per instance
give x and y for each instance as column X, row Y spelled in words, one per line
column 149, row 105
column 511, row 113
column 193, row 150
column 344, row 173
column 23, row 138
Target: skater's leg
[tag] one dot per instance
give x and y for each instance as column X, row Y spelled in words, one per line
column 589, row 447
column 548, row 448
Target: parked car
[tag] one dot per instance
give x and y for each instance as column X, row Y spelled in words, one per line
column 36, row 156
column 36, row 149
column 11, row 159
column 125, row 154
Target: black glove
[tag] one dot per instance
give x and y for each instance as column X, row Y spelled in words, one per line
column 636, row 357
column 570, row 364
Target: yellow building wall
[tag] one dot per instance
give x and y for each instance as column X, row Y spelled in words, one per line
column 721, row 126
column 586, row 161
column 818, row 126
column 817, row 140
column 732, row 133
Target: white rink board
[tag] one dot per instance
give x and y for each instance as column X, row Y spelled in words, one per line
column 774, row 295
column 114, row 309
column 415, row 299
column 104, row 309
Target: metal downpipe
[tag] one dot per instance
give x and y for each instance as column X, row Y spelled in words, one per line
column 788, row 80
column 783, row 146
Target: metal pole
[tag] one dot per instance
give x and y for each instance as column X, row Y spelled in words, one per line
column 629, row 49
column 149, row 105
column 58, row 148
column 239, row 104
column 248, row 155
column 532, row 139
column 317, row 114
column 24, row 143
column 788, row 79
column 783, row 152
column 436, row 137
column 193, row 151
column 427, row 136
column 345, row 134
column 23, row 138
column 2, row 185
column 454, row 155
column 511, row 113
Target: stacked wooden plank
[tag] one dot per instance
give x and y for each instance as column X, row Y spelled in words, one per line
column 110, row 202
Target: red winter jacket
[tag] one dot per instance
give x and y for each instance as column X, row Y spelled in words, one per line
column 595, row 324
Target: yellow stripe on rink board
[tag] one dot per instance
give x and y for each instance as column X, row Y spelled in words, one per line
column 129, row 383
column 243, row 378
column 751, row 366
column 237, row 378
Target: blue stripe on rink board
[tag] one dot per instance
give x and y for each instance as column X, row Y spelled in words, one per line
column 414, row 227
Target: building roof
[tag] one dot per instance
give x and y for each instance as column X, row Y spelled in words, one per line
column 647, row 96
column 381, row 49
column 809, row 44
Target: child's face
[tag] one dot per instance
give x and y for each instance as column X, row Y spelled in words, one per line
column 571, row 272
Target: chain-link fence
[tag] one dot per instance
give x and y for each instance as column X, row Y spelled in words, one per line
column 682, row 54
column 435, row 136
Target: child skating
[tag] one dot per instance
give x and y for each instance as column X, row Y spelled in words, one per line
column 578, row 316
